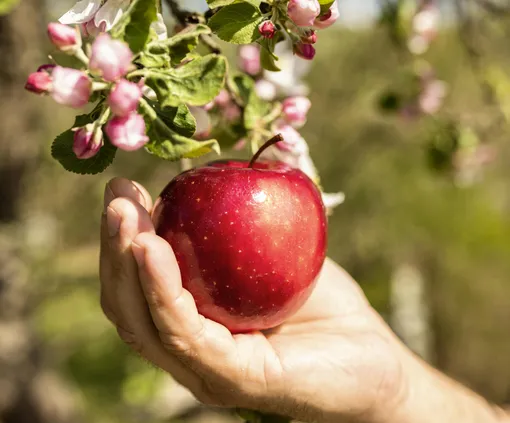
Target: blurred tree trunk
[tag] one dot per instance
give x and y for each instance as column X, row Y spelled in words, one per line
column 29, row 393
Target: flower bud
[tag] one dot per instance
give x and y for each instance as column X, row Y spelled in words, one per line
column 265, row 90
column 128, row 132
column 329, row 18
column 124, row 98
column 112, row 59
column 309, row 37
column 39, row 83
column 305, row 51
column 71, row 87
column 65, row 38
column 231, row 112
column 267, row 29
column 249, row 59
column 87, row 141
column 295, row 110
column 303, row 12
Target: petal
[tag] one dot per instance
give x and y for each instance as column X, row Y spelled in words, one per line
column 110, row 13
column 160, row 28
column 82, row 12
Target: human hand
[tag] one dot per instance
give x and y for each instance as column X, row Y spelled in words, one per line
column 334, row 361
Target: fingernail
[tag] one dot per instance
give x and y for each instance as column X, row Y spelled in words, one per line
column 113, row 222
column 138, row 253
column 109, row 196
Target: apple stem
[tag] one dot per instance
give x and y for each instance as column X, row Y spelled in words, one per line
column 267, row 144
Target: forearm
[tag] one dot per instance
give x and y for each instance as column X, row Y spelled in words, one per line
column 429, row 396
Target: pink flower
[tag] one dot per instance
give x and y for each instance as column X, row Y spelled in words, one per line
column 303, row 12
column 293, row 142
column 309, row 37
column 112, row 59
column 327, row 19
column 267, row 29
column 124, row 98
column 128, row 132
column 87, row 142
column 265, row 90
column 64, row 37
column 295, row 110
column 39, row 82
column 231, row 112
column 305, row 51
column 249, row 59
column 71, row 87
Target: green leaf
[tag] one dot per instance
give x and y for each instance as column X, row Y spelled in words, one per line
column 156, row 56
column 178, row 119
column 325, row 5
column 237, row 23
column 267, row 57
column 62, row 150
column 185, row 42
column 195, row 83
column 256, row 108
column 7, row 5
column 134, row 25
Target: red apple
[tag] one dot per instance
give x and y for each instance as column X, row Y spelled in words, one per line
column 250, row 240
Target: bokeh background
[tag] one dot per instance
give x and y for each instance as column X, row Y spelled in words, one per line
column 425, row 228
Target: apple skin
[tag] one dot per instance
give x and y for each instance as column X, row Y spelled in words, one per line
column 250, row 242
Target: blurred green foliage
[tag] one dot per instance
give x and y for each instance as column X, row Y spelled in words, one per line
column 398, row 210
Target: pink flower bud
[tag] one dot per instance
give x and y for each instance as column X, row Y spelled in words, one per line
column 293, row 142
column 329, row 18
column 39, row 83
column 231, row 112
column 124, row 98
column 249, row 59
column 71, row 87
column 267, row 29
column 305, row 51
column 222, row 99
column 128, row 132
column 87, row 142
column 295, row 110
column 265, row 90
column 64, row 37
column 112, row 59
column 48, row 68
column 303, row 12
column 309, row 37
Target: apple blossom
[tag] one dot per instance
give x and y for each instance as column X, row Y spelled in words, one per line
column 267, row 29
column 110, row 58
column 124, row 98
column 303, row 12
column 265, row 90
column 128, row 132
column 329, row 18
column 39, row 82
column 305, row 51
column 99, row 14
column 309, row 37
column 87, row 141
column 249, row 59
column 295, row 110
column 71, row 87
column 64, row 37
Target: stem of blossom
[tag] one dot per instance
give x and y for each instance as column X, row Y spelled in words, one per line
column 103, row 117
column 81, row 56
column 99, row 86
column 185, row 164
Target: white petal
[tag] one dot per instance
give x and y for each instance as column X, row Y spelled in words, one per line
column 110, row 13
column 82, row 12
column 333, row 200
column 160, row 28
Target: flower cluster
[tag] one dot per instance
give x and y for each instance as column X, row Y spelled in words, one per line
column 301, row 20
column 107, row 66
column 425, row 25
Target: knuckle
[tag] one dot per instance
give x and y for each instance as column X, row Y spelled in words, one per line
column 107, row 311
